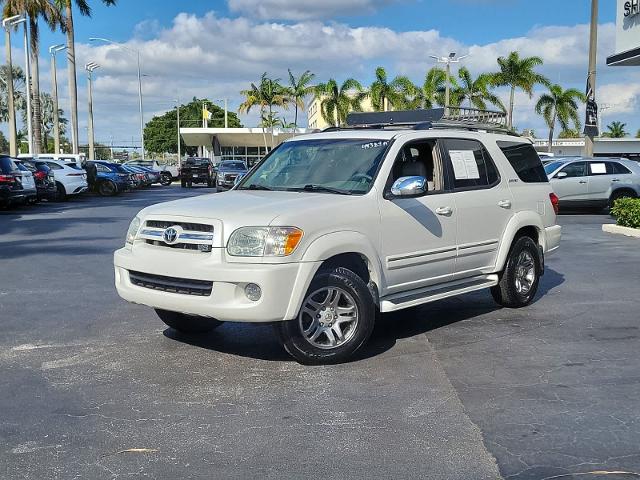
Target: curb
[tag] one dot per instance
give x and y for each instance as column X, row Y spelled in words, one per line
column 629, row 232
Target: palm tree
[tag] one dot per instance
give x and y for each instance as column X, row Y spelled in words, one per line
column 395, row 94
column 516, row 72
column 35, row 9
column 265, row 95
column 18, row 96
column 85, row 9
column 616, row 130
column 337, row 101
column 561, row 106
column 569, row 133
column 298, row 89
column 476, row 91
column 47, row 119
column 434, row 86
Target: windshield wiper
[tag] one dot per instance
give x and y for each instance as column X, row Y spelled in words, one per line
column 255, row 186
column 311, row 187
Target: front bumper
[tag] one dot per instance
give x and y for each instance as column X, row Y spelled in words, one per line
column 283, row 285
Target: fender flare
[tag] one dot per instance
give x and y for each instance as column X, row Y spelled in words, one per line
column 519, row 220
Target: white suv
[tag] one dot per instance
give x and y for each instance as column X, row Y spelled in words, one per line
column 401, row 209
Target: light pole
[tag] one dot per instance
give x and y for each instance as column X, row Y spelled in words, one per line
column 27, row 74
column 448, row 61
column 137, row 54
column 7, row 24
column 591, row 78
column 54, row 85
column 90, row 67
column 179, row 139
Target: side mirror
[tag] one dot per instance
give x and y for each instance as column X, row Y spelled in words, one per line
column 409, row 186
column 561, row 175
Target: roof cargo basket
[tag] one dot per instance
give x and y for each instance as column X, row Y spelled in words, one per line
column 449, row 117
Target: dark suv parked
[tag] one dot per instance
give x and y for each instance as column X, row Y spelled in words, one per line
column 11, row 190
column 197, row 170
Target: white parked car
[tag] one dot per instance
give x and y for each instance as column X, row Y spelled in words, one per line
column 593, row 182
column 334, row 226
column 70, row 178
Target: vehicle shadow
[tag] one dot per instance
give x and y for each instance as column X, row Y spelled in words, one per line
column 260, row 341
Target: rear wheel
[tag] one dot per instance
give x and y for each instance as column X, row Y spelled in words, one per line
column 188, row 323
column 166, row 179
column 521, row 276
column 336, row 318
column 107, row 189
column 61, row 193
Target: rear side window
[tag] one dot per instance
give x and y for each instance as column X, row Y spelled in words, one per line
column 525, row 161
column 54, row 166
column 470, row 164
column 7, row 165
column 618, row 169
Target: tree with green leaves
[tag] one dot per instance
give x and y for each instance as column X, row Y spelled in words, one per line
column 616, row 130
column 569, row 133
column 518, row 73
column 85, row 10
column 18, row 94
column 298, row 90
column 433, row 88
column 4, row 144
column 476, row 91
column 47, row 121
column 161, row 132
column 386, row 95
column 561, row 106
column 336, row 101
column 638, row 134
column 47, row 11
column 265, row 95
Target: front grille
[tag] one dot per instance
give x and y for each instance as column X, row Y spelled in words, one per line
column 185, row 286
column 193, row 227
column 180, row 246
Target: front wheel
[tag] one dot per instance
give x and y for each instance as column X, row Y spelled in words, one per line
column 184, row 323
column 521, row 276
column 165, row 179
column 336, row 318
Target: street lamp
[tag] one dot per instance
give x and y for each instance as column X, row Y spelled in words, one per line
column 54, row 83
column 448, row 61
column 7, row 23
column 137, row 53
column 90, row 67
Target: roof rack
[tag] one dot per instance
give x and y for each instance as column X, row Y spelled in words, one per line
column 425, row 119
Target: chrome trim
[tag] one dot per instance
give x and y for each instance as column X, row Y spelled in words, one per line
column 152, row 233
column 195, row 236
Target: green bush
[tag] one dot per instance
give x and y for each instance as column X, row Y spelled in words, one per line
column 626, row 211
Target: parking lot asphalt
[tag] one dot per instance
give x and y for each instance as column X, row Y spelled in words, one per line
column 93, row 387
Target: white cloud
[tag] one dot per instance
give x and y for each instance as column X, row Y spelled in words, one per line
column 304, row 9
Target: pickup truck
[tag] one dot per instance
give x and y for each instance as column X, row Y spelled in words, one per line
column 197, row 170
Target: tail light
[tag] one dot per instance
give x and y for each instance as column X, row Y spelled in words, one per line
column 555, row 202
column 7, row 178
column 40, row 175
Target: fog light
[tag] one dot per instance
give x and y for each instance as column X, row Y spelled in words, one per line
column 253, row 292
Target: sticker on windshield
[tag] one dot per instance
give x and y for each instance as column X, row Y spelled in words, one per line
column 366, row 146
column 464, row 164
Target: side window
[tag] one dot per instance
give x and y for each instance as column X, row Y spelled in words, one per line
column 101, row 168
column 470, row 163
column 54, row 166
column 420, row 158
column 525, row 161
column 598, row 168
column 619, row 169
column 576, row 169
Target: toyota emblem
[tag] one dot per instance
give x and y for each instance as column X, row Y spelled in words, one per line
column 170, row 236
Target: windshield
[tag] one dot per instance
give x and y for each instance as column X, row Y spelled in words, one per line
column 346, row 165
column 233, row 165
column 552, row 167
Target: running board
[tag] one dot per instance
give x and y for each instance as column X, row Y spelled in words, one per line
column 420, row 296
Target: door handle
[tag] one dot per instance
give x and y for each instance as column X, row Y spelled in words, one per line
column 446, row 211
column 582, row 181
column 615, row 179
column 504, row 203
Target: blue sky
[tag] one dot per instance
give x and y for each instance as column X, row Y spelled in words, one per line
column 215, row 48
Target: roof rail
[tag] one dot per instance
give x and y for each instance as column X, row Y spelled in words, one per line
column 424, row 119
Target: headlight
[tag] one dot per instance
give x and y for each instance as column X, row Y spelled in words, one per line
column 264, row 241
column 133, row 230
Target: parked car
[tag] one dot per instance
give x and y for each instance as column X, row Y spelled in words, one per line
column 11, row 189
column 154, row 176
column 334, row 226
column 28, row 184
column 140, row 177
column 228, row 171
column 78, row 159
column 43, row 177
column 593, row 182
column 70, row 179
column 111, row 178
column 167, row 172
column 197, row 170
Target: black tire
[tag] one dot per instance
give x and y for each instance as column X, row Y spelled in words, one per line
column 508, row 293
column 166, row 179
column 618, row 194
column 299, row 347
column 107, row 189
column 183, row 183
column 184, row 323
column 61, row 194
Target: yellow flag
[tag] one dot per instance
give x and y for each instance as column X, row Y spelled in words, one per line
column 206, row 114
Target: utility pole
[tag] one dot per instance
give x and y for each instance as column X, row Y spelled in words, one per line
column 54, row 86
column 448, row 61
column 226, row 113
column 7, row 24
column 27, row 74
column 90, row 67
column 591, row 78
column 179, row 140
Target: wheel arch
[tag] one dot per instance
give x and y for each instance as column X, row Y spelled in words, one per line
column 523, row 223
